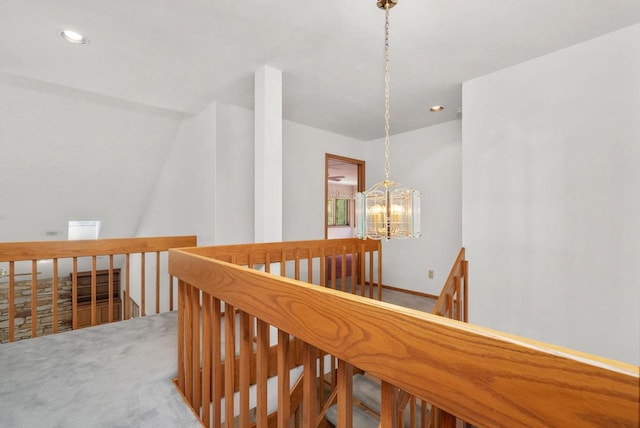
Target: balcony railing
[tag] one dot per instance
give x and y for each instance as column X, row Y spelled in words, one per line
column 481, row 376
column 142, row 261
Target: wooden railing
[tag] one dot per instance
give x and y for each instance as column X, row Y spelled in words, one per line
column 453, row 301
column 485, row 377
column 310, row 261
column 65, row 257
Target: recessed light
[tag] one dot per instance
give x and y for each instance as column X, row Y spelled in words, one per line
column 74, row 37
column 437, row 108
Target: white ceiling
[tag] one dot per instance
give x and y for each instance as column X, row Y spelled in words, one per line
column 182, row 55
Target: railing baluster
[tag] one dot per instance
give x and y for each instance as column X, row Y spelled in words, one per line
column 12, row 297
column 321, row 383
column 195, row 362
column 143, row 305
column 465, row 286
column 94, row 281
column 379, row 271
column 388, row 409
column 371, row 274
column 188, row 340
column 181, row 334
column 157, row 282
column 127, row 296
column 310, row 385
column 206, row 359
column 74, row 294
column 111, row 288
column 323, row 268
column 171, row 293
column 34, row 298
column 262, row 373
column 343, row 270
column 456, row 288
column 283, row 264
column 345, row 394
column 333, row 268
column 361, row 271
column 217, row 375
column 54, row 295
column 310, row 267
column 245, row 367
column 229, row 362
column 412, row 412
column 284, row 406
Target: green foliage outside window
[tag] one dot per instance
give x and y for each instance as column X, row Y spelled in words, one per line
column 338, row 212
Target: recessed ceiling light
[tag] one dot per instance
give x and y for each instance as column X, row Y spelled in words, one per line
column 74, row 37
column 437, row 108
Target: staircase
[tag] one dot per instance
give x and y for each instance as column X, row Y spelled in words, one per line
column 452, row 303
column 366, row 393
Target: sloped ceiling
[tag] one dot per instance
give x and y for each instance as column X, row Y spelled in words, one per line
column 84, row 130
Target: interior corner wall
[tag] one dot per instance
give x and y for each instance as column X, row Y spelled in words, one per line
column 183, row 200
column 551, row 197
column 428, row 160
column 303, row 177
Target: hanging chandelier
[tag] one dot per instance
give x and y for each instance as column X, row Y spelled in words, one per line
column 387, row 210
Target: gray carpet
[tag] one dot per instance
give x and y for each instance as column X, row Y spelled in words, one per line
column 116, row 375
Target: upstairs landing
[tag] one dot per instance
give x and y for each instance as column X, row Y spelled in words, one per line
column 114, row 375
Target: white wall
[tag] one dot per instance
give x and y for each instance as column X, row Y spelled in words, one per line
column 183, row 200
column 66, row 154
column 551, row 197
column 234, row 206
column 429, row 160
column 303, row 185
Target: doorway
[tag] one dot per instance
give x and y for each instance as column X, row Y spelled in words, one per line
column 343, row 178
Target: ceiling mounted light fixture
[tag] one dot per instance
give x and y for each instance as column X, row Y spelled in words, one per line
column 437, row 108
column 73, row 37
column 387, row 210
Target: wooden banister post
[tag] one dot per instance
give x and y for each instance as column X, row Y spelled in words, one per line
column 345, row 394
column 310, row 385
column 388, row 406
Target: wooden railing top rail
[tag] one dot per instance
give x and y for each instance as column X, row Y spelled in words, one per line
column 18, row 251
column 486, row 377
column 242, row 252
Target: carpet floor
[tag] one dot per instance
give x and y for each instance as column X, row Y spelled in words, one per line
column 115, row 375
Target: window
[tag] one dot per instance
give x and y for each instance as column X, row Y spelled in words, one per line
column 338, row 212
column 84, row 229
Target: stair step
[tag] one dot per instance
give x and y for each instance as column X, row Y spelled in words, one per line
column 367, row 391
column 361, row 419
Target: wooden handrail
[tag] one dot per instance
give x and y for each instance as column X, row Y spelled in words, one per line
column 485, row 377
column 40, row 250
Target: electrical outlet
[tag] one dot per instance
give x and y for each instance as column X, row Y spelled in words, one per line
column 430, row 274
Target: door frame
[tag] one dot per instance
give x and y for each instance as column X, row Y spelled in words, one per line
column 360, row 186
